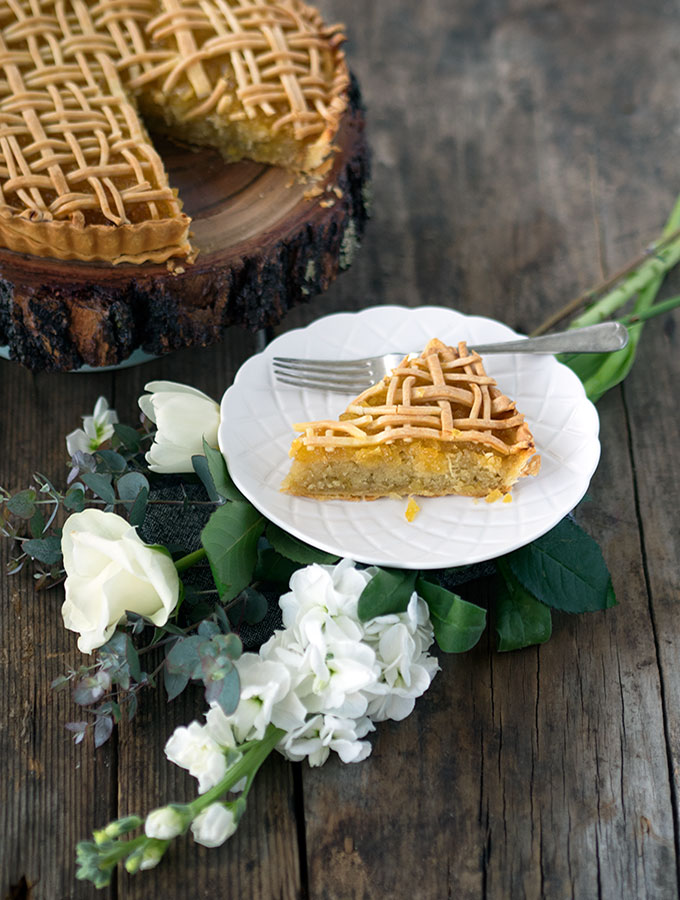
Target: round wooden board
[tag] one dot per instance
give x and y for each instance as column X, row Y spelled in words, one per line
column 267, row 239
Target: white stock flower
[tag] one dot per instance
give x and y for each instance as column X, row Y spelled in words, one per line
column 401, row 641
column 214, row 825
column 193, row 748
column 164, row 823
column 323, row 733
column 323, row 600
column 96, row 429
column 183, row 417
column 109, row 570
column 266, row 697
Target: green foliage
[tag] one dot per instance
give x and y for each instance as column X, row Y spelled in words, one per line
column 389, row 591
column 521, row 619
column 458, row 625
column 224, row 486
column 230, row 541
column 564, row 569
column 295, row 549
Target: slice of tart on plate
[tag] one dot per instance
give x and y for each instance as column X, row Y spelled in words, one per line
column 437, row 425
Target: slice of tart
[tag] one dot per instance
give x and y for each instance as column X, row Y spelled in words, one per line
column 437, row 425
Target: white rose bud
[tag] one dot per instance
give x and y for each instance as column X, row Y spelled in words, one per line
column 183, row 417
column 215, row 824
column 167, row 822
column 109, row 570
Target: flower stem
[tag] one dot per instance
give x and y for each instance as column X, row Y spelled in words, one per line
column 190, row 559
column 246, row 767
column 656, row 310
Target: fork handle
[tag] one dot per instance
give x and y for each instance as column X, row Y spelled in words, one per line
column 600, row 338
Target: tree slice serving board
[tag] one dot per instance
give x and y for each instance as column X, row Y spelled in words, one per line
column 267, row 239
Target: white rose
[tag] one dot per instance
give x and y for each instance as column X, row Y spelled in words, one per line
column 183, row 417
column 96, row 429
column 109, row 570
column 214, row 825
column 193, row 748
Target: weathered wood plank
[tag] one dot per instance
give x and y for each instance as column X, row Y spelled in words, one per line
column 542, row 773
column 51, row 793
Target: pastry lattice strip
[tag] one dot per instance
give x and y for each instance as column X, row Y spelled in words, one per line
column 445, row 395
column 71, row 143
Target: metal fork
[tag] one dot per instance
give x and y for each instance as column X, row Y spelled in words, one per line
column 354, row 375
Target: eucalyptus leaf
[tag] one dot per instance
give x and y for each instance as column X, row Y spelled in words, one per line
column 221, row 478
column 91, row 688
column 174, row 682
column 565, row 570
column 458, row 624
column 113, row 461
column 132, row 658
column 295, row 549
column 138, row 510
column 46, row 550
column 37, row 524
column 23, row 504
column 100, row 485
column 183, row 658
column 103, row 728
column 230, row 540
column 225, row 691
column 389, row 591
column 250, row 606
column 521, row 619
column 202, row 469
column 74, row 499
column 130, row 485
column 208, row 628
column 127, row 436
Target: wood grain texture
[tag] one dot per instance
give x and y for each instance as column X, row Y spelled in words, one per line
column 521, row 150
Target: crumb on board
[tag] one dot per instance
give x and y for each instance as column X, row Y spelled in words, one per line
column 412, row 509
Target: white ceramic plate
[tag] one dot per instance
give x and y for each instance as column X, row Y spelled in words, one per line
column 255, row 437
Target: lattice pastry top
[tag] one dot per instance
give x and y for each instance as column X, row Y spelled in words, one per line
column 444, row 395
column 79, row 177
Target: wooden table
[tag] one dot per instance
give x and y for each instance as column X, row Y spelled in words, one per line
column 522, row 150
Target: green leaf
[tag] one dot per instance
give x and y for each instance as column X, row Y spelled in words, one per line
column 295, row 549
column 138, row 511
column 113, row 461
column 183, row 658
column 389, row 591
column 222, row 480
column 250, row 606
column 174, row 682
column 103, row 729
column 521, row 619
column 45, row 550
column 225, row 690
column 230, row 541
column 202, row 469
column 100, row 485
column 127, row 436
column 130, row 484
column 23, row 504
column 74, row 498
column 458, row 624
column 37, row 524
column 565, row 570
column 132, row 659
column 273, row 567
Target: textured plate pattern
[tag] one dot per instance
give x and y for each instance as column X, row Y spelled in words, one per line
column 256, row 434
